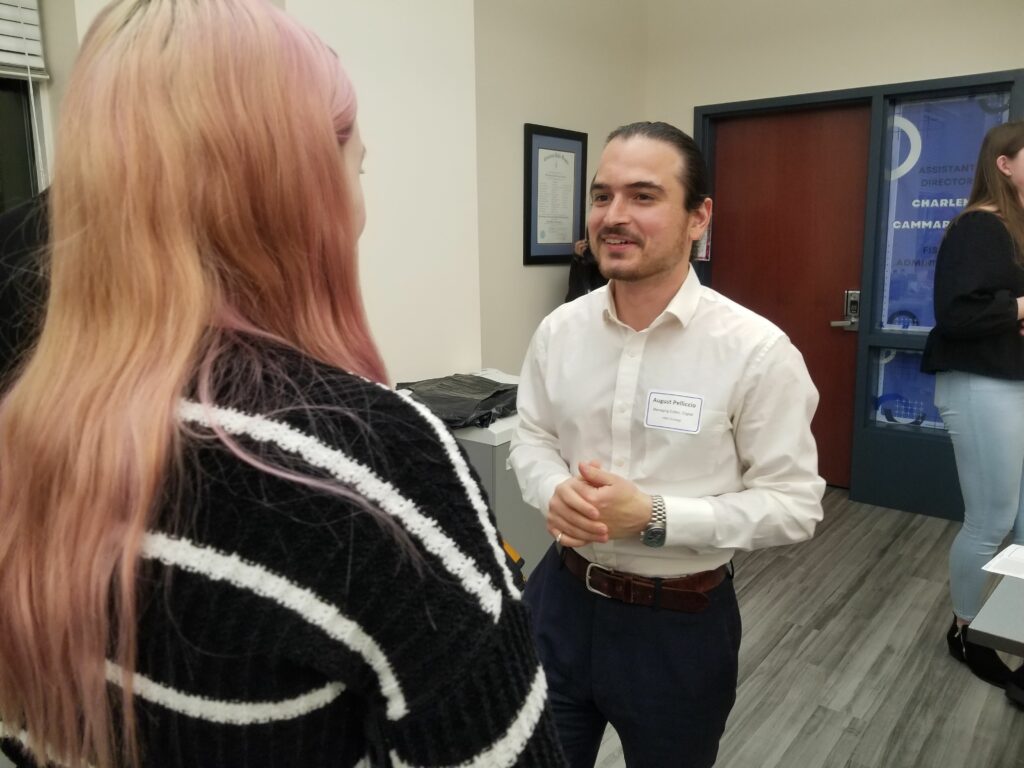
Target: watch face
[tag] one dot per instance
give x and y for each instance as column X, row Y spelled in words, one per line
column 654, row 537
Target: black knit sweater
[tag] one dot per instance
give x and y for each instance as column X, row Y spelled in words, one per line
column 283, row 626
column 977, row 282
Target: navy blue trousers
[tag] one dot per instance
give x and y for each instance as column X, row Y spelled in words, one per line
column 665, row 680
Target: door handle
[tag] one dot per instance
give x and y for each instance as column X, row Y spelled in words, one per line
column 851, row 308
column 850, row 324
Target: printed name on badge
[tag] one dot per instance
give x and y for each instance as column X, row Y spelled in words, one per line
column 673, row 410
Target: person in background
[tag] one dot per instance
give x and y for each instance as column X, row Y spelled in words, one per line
column 661, row 428
column 977, row 353
column 584, row 276
column 224, row 540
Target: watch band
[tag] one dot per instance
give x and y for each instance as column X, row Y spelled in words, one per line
column 654, row 533
column 658, row 515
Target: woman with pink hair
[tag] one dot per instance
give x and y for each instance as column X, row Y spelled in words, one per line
column 224, row 541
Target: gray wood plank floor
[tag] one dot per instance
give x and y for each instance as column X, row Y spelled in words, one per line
column 844, row 661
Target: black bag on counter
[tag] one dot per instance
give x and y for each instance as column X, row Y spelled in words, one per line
column 461, row 400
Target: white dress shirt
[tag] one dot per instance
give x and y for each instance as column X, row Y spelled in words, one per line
column 710, row 407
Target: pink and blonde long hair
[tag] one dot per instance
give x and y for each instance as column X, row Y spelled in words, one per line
column 199, row 189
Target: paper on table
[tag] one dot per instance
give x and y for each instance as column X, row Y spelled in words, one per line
column 1009, row 562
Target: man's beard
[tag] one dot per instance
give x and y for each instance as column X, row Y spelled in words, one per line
column 640, row 269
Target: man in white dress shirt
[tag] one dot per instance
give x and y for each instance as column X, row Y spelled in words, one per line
column 662, row 427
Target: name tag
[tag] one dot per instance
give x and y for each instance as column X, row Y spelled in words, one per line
column 673, row 410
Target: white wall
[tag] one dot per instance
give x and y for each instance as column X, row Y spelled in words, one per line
column 445, row 87
column 85, row 12
column 732, row 50
column 413, row 66
column 590, row 66
column 59, row 28
column 573, row 64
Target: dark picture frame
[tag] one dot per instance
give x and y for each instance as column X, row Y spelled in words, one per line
column 554, row 181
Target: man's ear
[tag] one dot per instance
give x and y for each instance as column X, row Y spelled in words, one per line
column 700, row 218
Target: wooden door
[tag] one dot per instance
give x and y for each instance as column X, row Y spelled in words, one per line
column 787, row 241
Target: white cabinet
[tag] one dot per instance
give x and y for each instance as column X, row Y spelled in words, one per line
column 520, row 524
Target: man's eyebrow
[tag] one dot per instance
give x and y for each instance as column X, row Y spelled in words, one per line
column 645, row 185
column 599, row 186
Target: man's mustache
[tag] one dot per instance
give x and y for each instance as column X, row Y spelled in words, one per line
column 620, row 232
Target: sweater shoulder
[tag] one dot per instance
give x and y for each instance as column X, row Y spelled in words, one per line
column 314, row 458
column 276, row 388
column 978, row 229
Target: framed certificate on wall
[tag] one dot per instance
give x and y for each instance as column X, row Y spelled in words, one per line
column 554, row 181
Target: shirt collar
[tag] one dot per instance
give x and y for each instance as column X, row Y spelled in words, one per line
column 682, row 306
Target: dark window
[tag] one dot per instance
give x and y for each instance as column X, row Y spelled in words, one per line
column 17, row 155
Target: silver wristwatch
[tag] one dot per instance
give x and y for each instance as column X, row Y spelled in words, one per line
column 654, row 534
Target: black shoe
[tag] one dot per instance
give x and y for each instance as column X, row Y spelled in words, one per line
column 983, row 662
column 1015, row 686
column 955, row 643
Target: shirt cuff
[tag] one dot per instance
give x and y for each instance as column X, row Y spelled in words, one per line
column 689, row 523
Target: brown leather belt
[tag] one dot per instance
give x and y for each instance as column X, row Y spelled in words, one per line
column 687, row 593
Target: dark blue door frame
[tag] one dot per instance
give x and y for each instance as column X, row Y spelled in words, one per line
column 893, row 465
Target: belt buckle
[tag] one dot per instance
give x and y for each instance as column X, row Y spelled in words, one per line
column 586, row 579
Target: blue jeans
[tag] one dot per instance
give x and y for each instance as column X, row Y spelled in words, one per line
column 665, row 680
column 985, row 419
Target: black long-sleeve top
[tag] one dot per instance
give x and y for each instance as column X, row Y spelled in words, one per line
column 282, row 626
column 977, row 282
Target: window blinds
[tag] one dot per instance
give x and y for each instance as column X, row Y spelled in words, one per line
column 21, row 44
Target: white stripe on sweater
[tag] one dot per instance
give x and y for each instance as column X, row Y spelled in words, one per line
column 227, row 712
column 23, row 738
column 476, row 498
column 219, row 566
column 349, row 471
column 505, row 751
